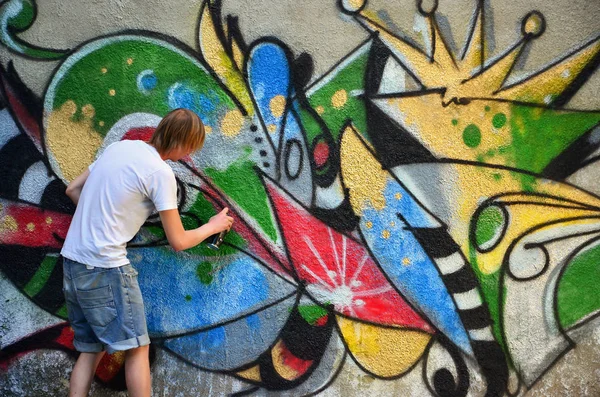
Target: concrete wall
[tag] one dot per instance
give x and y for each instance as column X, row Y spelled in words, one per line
column 415, row 187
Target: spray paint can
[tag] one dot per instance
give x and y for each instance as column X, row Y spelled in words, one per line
column 214, row 241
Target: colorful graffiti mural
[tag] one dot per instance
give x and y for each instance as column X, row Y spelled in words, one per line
column 408, row 212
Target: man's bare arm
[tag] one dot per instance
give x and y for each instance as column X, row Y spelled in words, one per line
column 76, row 186
column 181, row 239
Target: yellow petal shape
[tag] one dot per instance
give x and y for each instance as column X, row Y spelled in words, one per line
column 385, row 352
column 217, row 58
column 252, row 373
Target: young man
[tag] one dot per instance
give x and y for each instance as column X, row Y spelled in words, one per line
column 114, row 197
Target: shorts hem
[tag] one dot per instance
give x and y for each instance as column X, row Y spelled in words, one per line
column 128, row 344
column 84, row 347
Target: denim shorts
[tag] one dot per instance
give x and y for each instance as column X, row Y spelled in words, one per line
column 105, row 307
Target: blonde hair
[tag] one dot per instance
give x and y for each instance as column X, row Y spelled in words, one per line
column 180, row 128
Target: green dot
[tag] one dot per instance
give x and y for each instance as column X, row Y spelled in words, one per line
column 188, row 298
column 472, row 136
column 499, row 120
column 487, row 108
column 454, row 121
column 204, row 272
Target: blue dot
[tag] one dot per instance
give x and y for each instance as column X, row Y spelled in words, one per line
column 146, row 81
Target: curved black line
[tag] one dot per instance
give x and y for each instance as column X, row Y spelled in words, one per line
column 13, row 32
column 507, row 168
column 286, row 154
column 443, row 377
column 473, row 225
column 544, row 250
column 225, row 323
column 374, row 375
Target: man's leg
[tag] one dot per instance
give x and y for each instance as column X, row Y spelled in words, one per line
column 83, row 374
column 137, row 371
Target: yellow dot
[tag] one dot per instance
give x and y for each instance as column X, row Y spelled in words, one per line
column 207, row 129
column 277, row 105
column 69, row 108
column 406, row 261
column 392, row 224
column 104, row 70
column 88, row 111
column 232, row 122
column 338, row 100
column 369, row 224
column 385, row 234
column 9, row 224
column 129, row 61
column 398, row 196
column 272, row 128
column 112, row 92
column 48, row 220
column 30, row 227
column 320, row 109
column 101, row 123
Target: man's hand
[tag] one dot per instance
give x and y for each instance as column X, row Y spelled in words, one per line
column 181, row 239
column 221, row 221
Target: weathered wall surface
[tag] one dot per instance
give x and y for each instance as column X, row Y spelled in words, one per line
column 415, row 188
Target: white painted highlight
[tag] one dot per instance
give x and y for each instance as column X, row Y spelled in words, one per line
column 467, row 300
column 393, row 78
column 34, row 181
column 331, row 196
column 483, row 334
column 451, row 263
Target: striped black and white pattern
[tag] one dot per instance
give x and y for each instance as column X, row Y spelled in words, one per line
column 461, row 282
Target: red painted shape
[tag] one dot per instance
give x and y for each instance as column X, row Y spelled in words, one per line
column 66, row 338
column 144, row 134
column 31, row 226
column 109, row 366
column 139, row 134
column 297, row 364
column 321, row 321
column 258, row 246
column 339, row 270
column 57, row 337
column 321, row 154
column 28, row 123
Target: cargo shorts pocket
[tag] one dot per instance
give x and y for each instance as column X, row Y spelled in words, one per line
column 98, row 305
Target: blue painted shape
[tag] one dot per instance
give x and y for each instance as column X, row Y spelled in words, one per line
column 178, row 301
column 204, row 103
column 419, row 280
column 292, row 128
column 268, row 76
column 235, row 344
column 146, row 81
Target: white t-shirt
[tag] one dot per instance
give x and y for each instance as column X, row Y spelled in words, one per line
column 126, row 184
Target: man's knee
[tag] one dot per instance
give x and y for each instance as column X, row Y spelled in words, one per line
column 137, row 351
